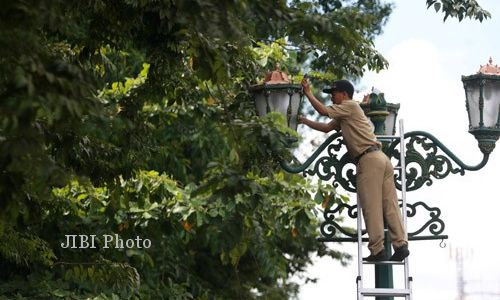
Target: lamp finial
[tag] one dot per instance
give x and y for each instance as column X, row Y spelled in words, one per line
column 276, row 76
column 489, row 68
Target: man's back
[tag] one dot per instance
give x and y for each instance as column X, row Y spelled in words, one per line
column 356, row 129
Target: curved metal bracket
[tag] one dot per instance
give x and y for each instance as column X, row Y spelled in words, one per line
column 423, row 162
column 316, row 153
column 339, row 166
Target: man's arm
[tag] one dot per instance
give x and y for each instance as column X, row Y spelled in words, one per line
column 318, row 106
column 325, row 127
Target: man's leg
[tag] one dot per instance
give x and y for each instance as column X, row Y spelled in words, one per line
column 392, row 212
column 369, row 187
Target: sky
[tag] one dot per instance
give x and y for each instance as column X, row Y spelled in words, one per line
column 426, row 61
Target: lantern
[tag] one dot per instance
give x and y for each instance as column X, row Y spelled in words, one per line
column 482, row 92
column 278, row 94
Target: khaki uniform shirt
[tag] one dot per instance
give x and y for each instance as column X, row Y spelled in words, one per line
column 356, row 129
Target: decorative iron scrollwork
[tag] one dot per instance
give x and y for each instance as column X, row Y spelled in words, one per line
column 426, row 159
column 343, row 169
column 435, row 224
column 422, row 166
column 332, row 231
column 330, row 227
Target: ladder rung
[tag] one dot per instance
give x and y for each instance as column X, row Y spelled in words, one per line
column 364, row 231
column 397, row 168
column 385, row 292
column 384, row 262
column 389, row 137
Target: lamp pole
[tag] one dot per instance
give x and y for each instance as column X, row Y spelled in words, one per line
column 376, row 108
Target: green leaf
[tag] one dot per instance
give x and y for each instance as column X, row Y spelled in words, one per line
column 90, row 272
column 199, row 219
column 76, row 272
column 318, row 197
column 60, row 293
column 310, row 214
column 233, row 156
column 437, row 6
column 68, row 275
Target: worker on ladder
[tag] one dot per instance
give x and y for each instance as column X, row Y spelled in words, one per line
column 374, row 171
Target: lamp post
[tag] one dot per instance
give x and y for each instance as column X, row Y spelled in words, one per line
column 426, row 157
column 383, row 116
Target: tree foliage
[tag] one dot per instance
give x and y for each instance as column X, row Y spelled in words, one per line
column 459, row 9
column 133, row 118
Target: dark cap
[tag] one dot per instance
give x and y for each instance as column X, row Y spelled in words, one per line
column 340, row 86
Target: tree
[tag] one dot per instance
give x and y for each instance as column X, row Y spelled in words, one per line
column 133, row 117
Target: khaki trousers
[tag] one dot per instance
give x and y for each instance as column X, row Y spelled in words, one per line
column 377, row 194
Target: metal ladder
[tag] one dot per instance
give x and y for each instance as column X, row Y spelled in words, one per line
column 406, row 292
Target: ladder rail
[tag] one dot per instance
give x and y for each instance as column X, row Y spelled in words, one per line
column 403, row 196
column 359, row 279
column 407, row 291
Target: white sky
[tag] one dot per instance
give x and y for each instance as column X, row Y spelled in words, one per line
column 427, row 58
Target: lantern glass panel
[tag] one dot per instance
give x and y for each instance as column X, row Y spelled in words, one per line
column 260, row 104
column 279, row 101
column 472, row 94
column 390, row 123
column 491, row 96
column 294, row 111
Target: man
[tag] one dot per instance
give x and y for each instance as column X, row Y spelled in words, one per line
column 374, row 171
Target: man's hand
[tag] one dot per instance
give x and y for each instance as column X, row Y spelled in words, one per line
column 306, row 86
column 318, row 106
column 301, row 119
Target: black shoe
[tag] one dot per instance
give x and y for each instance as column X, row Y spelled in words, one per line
column 400, row 253
column 377, row 257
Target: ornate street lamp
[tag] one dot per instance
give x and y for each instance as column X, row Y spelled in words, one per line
column 278, row 94
column 482, row 92
column 382, row 113
column 425, row 156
